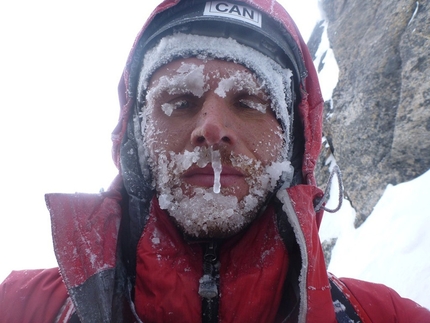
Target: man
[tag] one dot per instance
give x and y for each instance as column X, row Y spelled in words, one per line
column 214, row 215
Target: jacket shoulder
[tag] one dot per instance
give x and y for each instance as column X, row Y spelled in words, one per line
column 32, row 296
column 381, row 303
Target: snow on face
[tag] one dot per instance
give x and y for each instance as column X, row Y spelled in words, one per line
column 277, row 80
column 215, row 209
column 201, row 212
column 240, row 81
column 189, row 78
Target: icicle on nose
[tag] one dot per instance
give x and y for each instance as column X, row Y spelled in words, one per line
column 217, row 167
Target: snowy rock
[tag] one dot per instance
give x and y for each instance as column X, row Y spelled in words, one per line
column 378, row 121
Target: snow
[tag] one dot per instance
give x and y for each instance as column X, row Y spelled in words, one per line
column 329, row 74
column 392, row 246
column 189, row 78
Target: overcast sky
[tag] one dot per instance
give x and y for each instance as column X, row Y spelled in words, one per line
column 60, row 63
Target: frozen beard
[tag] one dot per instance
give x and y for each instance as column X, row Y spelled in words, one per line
column 212, row 212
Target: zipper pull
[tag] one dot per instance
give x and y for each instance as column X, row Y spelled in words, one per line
column 208, row 283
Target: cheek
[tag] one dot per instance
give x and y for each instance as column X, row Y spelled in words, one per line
column 267, row 144
column 161, row 134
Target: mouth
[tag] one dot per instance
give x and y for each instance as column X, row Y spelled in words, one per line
column 204, row 177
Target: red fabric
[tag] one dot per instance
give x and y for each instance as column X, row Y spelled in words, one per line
column 252, row 273
column 168, row 271
column 80, row 247
column 382, row 304
column 319, row 307
column 253, row 270
column 39, row 295
column 32, row 296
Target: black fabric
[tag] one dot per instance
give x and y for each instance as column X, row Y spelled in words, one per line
column 345, row 312
column 210, row 310
column 94, row 297
column 137, row 197
column 74, row 318
column 291, row 295
column 187, row 17
column 210, row 306
column 298, row 148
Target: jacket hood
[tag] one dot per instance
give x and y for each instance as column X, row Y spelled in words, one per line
column 308, row 105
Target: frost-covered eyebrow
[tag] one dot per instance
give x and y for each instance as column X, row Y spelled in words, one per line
column 240, row 81
column 189, row 78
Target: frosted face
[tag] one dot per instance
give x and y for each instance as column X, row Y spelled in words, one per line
column 214, row 145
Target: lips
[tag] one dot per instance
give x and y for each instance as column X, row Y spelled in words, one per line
column 204, row 177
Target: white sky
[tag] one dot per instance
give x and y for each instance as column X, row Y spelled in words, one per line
column 60, row 63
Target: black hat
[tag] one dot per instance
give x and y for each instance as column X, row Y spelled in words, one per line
column 228, row 19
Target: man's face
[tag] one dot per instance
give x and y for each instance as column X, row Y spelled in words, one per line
column 213, row 144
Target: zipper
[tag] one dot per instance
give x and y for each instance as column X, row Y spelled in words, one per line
column 209, row 284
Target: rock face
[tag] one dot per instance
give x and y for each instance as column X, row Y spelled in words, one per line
column 378, row 123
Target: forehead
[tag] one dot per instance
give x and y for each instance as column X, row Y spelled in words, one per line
column 213, row 68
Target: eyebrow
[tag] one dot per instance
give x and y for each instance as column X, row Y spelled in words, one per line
column 191, row 81
column 240, row 82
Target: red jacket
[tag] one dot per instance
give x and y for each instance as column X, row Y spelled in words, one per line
column 116, row 268
column 85, row 230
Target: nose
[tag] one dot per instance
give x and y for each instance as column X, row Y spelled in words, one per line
column 213, row 125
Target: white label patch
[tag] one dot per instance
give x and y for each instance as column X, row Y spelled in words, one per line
column 239, row 12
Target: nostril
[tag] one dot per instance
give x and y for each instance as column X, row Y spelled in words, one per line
column 226, row 139
column 200, row 139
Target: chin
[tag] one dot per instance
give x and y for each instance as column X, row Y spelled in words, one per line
column 205, row 214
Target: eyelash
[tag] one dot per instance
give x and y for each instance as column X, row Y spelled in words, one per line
column 184, row 104
column 249, row 104
column 181, row 104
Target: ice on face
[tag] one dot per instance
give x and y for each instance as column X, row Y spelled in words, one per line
column 189, row 78
column 276, row 79
column 199, row 156
column 241, row 81
column 168, row 108
column 217, row 168
column 208, row 209
column 238, row 81
column 255, row 105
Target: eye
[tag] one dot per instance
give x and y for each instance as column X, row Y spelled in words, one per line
column 177, row 106
column 181, row 104
column 253, row 104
